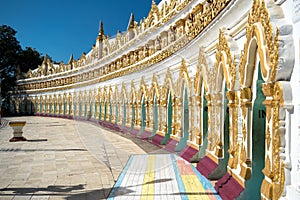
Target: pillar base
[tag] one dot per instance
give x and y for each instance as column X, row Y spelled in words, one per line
column 156, row 139
column 188, row 152
column 206, row 166
column 17, row 127
column 17, row 139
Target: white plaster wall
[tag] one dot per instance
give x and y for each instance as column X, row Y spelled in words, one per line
column 293, row 190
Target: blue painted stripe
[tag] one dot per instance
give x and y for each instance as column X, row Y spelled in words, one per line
column 205, row 183
column 120, row 179
column 180, row 183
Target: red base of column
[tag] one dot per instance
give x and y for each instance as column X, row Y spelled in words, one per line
column 188, row 152
column 206, row 166
column 171, row 144
column 125, row 129
column 134, row 132
column 17, row 139
column 145, row 135
column 157, row 139
column 228, row 187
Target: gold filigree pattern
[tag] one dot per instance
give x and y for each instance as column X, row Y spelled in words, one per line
column 106, row 73
column 223, row 54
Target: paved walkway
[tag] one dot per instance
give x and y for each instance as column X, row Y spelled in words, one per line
column 64, row 159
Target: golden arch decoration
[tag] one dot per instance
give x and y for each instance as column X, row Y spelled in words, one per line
column 224, row 58
column 153, row 15
column 154, row 88
column 259, row 37
column 123, row 93
column 143, row 90
column 169, row 83
column 262, row 41
column 184, row 79
column 226, row 68
column 202, row 73
column 132, row 92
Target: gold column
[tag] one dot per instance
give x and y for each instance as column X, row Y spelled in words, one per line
column 273, row 183
column 128, row 112
column 219, row 131
column 199, row 125
column 245, row 157
column 191, row 120
column 210, row 121
column 233, row 103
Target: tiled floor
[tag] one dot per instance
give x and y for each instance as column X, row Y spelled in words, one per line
column 161, row 176
column 67, row 159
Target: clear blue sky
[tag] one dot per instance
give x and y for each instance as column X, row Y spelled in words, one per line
column 60, row 28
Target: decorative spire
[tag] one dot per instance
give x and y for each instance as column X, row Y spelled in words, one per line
column 46, row 57
column 83, row 55
column 131, row 22
column 154, row 6
column 101, row 31
column 71, row 59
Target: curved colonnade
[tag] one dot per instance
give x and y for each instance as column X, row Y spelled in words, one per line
column 208, row 79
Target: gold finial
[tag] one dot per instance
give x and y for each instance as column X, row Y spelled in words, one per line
column 153, row 3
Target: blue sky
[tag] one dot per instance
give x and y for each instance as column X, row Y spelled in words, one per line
column 60, row 28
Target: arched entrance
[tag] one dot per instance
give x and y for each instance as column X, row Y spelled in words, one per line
column 154, row 116
column 184, row 121
column 142, row 116
column 169, row 119
column 257, row 141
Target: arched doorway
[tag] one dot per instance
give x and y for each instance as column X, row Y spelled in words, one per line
column 257, row 140
column 169, row 116
column 142, row 116
column 184, row 134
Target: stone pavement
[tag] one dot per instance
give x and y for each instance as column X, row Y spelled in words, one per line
column 63, row 159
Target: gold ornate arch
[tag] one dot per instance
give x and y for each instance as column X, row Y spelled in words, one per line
column 226, row 68
column 154, row 88
column 226, row 60
column 143, row 90
column 262, row 40
column 153, row 15
column 184, row 78
column 259, row 39
column 169, row 83
column 132, row 92
column 123, row 93
column 133, row 100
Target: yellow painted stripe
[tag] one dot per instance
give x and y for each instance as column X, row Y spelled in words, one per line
column 148, row 186
column 194, row 188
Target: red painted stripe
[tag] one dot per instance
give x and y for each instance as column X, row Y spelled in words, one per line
column 210, row 194
column 184, row 168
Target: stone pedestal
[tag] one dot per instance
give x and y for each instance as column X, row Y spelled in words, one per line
column 17, row 127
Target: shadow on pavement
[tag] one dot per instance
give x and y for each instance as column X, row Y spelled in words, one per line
column 50, row 189
column 37, row 140
column 33, row 150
